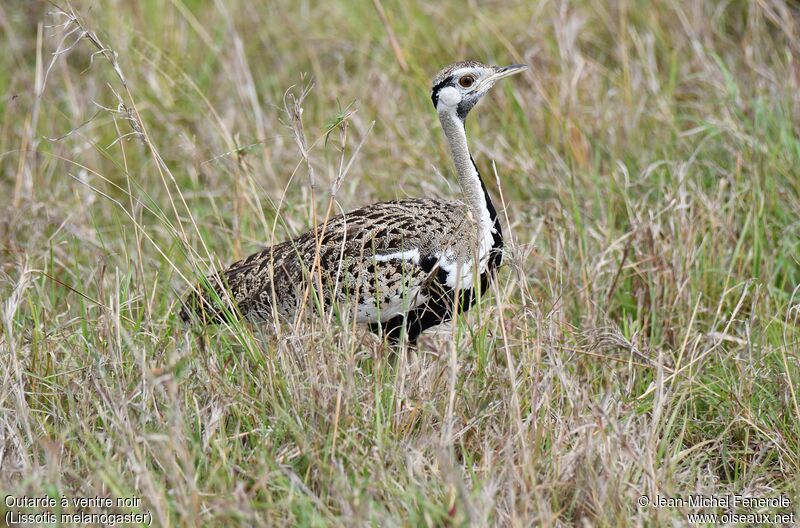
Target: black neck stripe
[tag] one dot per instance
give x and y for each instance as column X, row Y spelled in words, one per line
column 496, row 253
column 435, row 90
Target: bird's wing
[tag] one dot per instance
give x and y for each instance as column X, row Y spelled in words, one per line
column 385, row 257
column 382, row 257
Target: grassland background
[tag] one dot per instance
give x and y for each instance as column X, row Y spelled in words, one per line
column 642, row 338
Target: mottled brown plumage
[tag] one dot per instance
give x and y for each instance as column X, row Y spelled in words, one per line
column 276, row 277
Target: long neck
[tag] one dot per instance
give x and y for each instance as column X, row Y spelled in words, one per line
column 475, row 194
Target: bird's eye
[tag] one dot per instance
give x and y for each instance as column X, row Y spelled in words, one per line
column 466, row 81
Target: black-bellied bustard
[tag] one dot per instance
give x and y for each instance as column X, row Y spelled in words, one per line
column 405, row 265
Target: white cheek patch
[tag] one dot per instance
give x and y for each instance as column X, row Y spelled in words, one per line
column 449, row 96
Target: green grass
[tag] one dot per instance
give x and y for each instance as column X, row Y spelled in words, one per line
column 642, row 338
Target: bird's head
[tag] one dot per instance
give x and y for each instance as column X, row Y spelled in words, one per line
column 460, row 86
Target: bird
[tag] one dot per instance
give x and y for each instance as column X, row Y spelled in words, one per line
column 402, row 266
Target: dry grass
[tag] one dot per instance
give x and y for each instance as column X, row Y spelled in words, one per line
column 643, row 338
